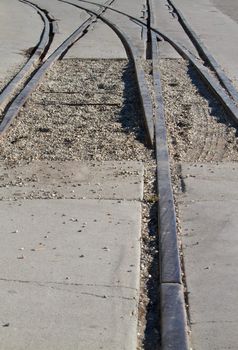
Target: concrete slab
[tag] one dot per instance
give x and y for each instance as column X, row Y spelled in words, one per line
column 20, row 30
column 228, row 7
column 90, row 46
column 60, row 317
column 209, row 225
column 137, row 34
column 168, row 23
column 70, row 267
column 70, row 274
column 216, row 181
column 217, row 31
column 68, row 20
column 73, row 179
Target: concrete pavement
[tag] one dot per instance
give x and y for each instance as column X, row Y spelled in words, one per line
column 68, row 20
column 70, row 267
column 218, row 31
column 228, row 7
column 103, row 33
column 21, row 29
column 209, row 220
column 91, row 47
column 164, row 20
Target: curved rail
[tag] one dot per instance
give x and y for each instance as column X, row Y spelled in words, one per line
column 205, row 54
column 132, row 51
column 217, row 90
column 35, row 79
column 174, row 332
column 34, row 60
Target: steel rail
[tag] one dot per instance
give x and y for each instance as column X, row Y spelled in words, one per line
column 205, row 54
column 174, row 331
column 21, row 98
column 34, row 60
column 204, row 73
column 227, row 102
column 132, row 51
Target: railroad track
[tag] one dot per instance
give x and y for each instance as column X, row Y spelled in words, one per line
column 172, row 306
column 35, row 58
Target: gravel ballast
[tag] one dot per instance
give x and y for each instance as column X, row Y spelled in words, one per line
column 199, row 130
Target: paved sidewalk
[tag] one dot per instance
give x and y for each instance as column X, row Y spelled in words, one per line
column 20, row 29
column 208, row 213
column 70, row 265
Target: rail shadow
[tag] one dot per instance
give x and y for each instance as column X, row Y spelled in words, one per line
column 131, row 115
column 216, row 108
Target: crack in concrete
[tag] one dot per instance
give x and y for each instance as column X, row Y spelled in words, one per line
column 108, row 296
column 43, row 284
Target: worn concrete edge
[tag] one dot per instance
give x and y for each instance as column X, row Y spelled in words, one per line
column 174, row 334
column 205, row 54
column 214, row 87
column 33, row 61
column 19, row 101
